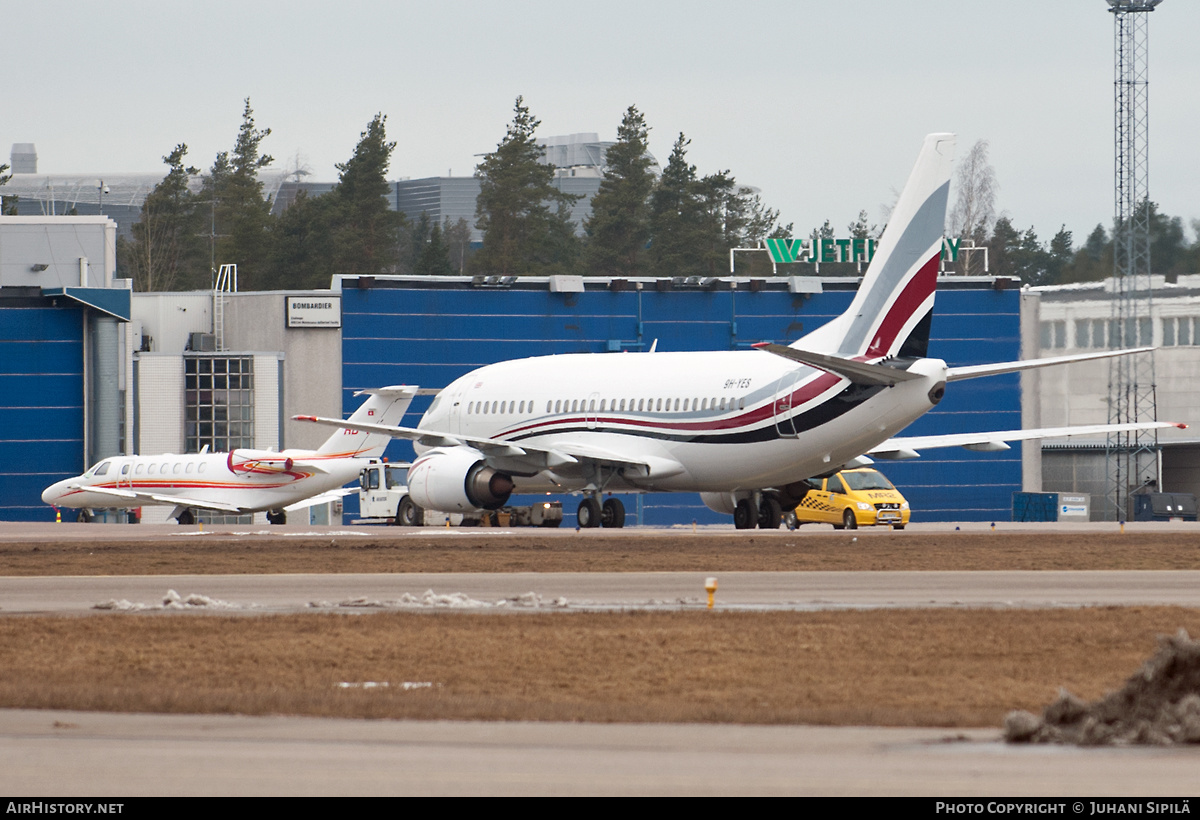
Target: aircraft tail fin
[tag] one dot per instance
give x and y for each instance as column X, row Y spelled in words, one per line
column 892, row 311
column 384, row 406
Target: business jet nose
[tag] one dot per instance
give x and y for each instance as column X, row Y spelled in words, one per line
column 54, row 493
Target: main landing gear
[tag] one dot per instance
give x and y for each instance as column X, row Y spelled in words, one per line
column 768, row 515
column 592, row 514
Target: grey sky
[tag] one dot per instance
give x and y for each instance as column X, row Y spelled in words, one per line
column 820, row 105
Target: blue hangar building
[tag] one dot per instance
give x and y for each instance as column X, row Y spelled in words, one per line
column 431, row 330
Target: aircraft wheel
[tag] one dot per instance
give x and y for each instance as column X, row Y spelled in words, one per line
column 613, row 514
column 186, row 518
column 408, row 514
column 789, row 520
column 84, row 516
column 770, row 515
column 744, row 517
column 589, row 513
column 849, row 522
column 276, row 517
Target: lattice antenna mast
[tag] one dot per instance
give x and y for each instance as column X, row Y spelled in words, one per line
column 1132, row 458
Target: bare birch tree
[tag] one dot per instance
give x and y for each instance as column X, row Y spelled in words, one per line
column 975, row 203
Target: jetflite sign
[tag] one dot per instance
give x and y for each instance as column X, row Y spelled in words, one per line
column 829, row 250
column 314, row 311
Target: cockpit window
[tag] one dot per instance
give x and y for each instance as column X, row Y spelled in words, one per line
column 99, row 469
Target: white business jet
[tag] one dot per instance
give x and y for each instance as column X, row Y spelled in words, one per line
column 743, row 428
column 241, row 481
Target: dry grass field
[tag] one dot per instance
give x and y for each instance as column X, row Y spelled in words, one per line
column 643, row 551
column 951, row 668
column 896, row 667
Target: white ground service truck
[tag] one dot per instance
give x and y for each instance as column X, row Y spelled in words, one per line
column 383, row 497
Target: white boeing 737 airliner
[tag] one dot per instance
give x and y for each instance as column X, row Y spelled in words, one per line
column 238, row 482
column 743, row 428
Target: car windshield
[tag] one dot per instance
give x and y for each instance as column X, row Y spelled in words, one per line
column 867, row 480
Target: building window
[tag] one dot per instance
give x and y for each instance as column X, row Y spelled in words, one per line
column 1178, row 330
column 1054, row 334
column 218, row 403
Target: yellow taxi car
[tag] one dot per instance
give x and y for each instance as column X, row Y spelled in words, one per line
column 850, row 499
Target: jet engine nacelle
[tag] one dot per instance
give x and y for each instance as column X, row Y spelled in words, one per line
column 723, row 503
column 457, row 479
column 258, row 461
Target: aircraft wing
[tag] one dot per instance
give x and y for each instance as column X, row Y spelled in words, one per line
column 521, row 458
column 321, row 498
column 155, row 498
column 908, row 446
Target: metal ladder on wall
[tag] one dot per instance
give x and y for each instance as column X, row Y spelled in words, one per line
column 226, row 283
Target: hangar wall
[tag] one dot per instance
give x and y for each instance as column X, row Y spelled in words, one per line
column 61, row 346
column 428, row 331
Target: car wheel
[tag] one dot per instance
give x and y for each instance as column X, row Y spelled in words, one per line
column 849, row 522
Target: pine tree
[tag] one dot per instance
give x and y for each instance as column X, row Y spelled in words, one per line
column 619, row 228
column 351, row 229
column 677, row 246
column 435, row 257
column 525, row 220
column 365, row 231
column 240, row 213
column 167, row 251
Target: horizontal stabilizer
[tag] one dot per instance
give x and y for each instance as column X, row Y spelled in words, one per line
column 856, row 372
column 908, row 446
column 954, row 374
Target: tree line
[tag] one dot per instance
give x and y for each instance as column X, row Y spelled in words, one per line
column 1020, row 254
column 680, row 224
column 677, row 223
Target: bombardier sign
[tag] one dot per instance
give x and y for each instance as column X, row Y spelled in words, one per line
column 314, row 311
